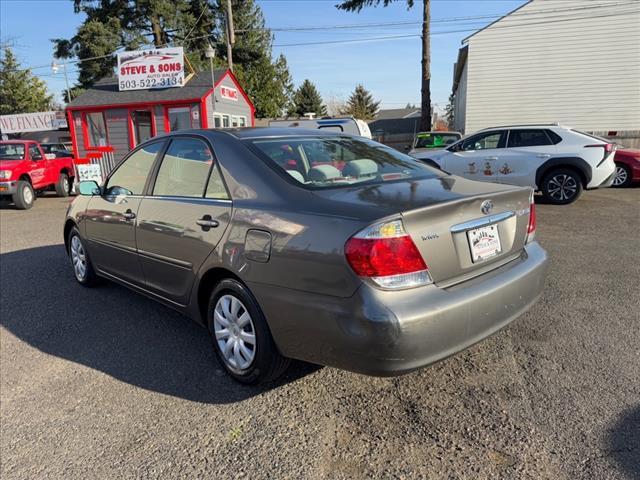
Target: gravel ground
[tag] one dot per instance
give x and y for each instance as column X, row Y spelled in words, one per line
column 104, row 383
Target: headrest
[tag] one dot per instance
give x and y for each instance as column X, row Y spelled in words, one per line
column 322, row 173
column 360, row 168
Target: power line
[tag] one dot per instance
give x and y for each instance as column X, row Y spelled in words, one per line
column 392, row 37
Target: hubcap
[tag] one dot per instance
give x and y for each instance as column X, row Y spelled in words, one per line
column 621, row 176
column 562, row 187
column 65, row 184
column 235, row 332
column 78, row 258
column 27, row 194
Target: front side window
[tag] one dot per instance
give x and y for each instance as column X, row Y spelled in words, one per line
column 184, row 169
column 130, row 177
column 34, row 153
column 179, row 118
column 323, row 162
column 96, row 129
column 528, row 138
column 483, row 141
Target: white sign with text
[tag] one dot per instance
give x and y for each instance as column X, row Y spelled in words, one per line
column 32, row 122
column 146, row 69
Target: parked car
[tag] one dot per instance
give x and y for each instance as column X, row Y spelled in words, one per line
column 429, row 141
column 382, row 267
column 558, row 161
column 627, row 167
column 348, row 125
column 57, row 149
column 25, row 169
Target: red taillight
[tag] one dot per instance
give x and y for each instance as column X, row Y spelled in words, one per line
column 386, row 254
column 531, row 228
column 382, row 257
column 608, row 147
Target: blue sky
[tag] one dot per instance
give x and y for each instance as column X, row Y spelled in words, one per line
column 390, row 69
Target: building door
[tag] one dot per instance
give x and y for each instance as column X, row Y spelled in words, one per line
column 142, row 126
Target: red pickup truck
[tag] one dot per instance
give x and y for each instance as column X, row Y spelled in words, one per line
column 25, row 170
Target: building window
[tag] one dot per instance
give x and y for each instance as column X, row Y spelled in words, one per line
column 179, row 118
column 225, row 121
column 242, row 121
column 96, row 129
column 217, row 121
column 234, row 121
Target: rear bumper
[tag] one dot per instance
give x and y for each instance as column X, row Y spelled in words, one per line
column 603, row 175
column 7, row 188
column 389, row 333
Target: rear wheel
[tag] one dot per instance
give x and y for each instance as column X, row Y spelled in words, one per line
column 623, row 176
column 63, row 186
column 562, row 186
column 24, row 196
column 240, row 335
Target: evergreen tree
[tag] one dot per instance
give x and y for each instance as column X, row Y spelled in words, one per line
column 194, row 24
column 20, row 91
column 307, row 99
column 361, row 105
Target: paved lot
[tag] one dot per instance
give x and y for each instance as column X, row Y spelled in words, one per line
column 104, row 383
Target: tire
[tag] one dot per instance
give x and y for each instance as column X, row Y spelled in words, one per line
column 246, row 363
column 24, row 196
column 80, row 261
column 623, row 176
column 63, row 187
column 561, row 186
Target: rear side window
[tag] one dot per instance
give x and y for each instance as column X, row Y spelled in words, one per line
column 131, row 176
column 184, row 169
column 555, row 138
column 323, row 162
column 528, row 138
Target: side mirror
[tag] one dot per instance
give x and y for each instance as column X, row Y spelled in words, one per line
column 89, row 187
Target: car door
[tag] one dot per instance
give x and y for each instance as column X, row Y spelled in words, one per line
column 111, row 217
column 182, row 218
column 476, row 157
column 38, row 171
column 526, row 150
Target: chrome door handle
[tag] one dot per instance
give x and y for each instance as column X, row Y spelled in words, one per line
column 129, row 215
column 543, row 155
column 207, row 222
column 491, row 158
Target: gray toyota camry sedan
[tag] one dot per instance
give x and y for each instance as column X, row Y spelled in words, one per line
column 318, row 246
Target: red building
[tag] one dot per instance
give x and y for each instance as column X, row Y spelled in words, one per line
column 105, row 123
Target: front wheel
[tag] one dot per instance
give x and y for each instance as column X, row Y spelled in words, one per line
column 623, row 176
column 80, row 261
column 561, row 186
column 63, row 186
column 24, row 196
column 240, row 335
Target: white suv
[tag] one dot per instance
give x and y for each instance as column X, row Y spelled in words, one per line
column 558, row 161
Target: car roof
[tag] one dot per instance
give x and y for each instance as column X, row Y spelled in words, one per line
column 532, row 125
column 262, row 132
column 18, row 141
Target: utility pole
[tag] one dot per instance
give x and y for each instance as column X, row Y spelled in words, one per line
column 425, row 117
column 231, row 37
column 54, row 68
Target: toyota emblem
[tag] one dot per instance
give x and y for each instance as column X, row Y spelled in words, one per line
column 486, row 207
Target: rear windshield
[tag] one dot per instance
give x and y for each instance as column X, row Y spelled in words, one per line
column 11, row 151
column 324, row 162
column 435, row 140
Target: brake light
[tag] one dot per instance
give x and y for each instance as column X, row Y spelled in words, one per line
column 531, row 228
column 386, row 254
